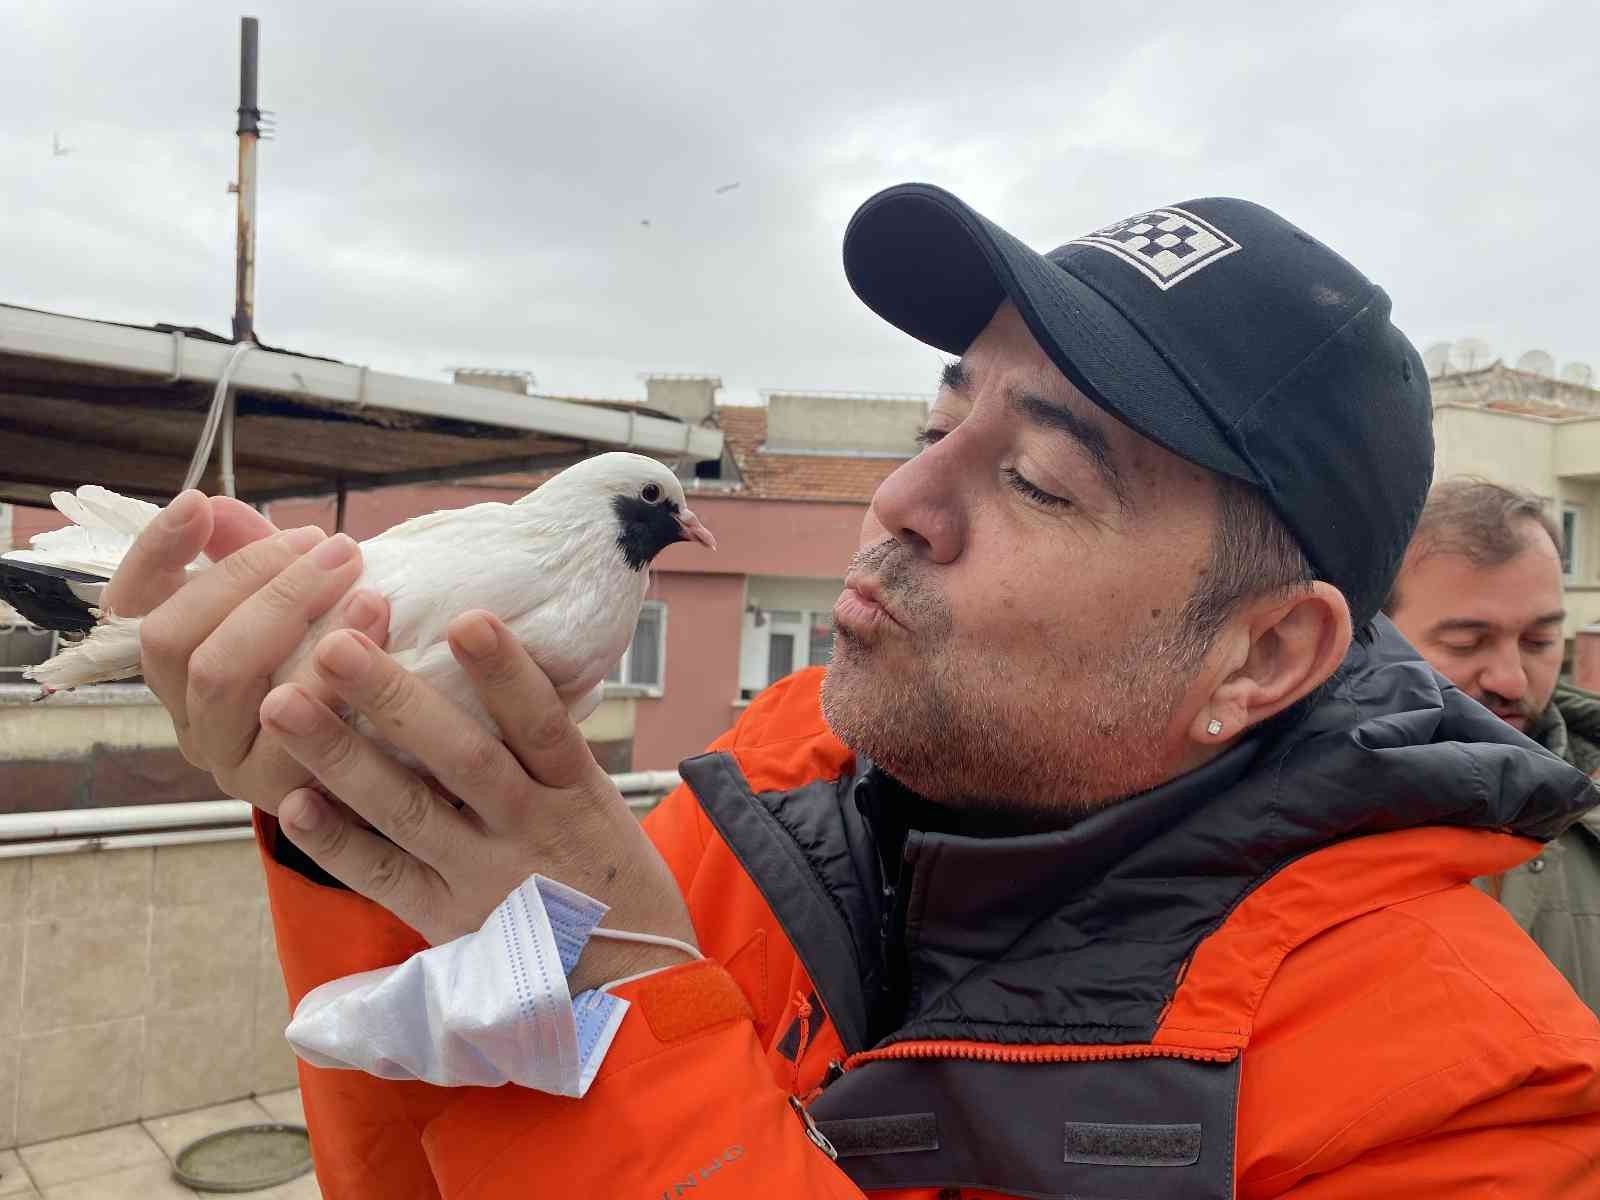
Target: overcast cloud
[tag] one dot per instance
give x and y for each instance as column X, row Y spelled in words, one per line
column 466, row 184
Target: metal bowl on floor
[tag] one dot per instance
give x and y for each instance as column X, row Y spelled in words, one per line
column 245, row 1159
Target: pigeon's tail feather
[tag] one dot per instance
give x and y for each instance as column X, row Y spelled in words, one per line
column 104, row 525
column 110, row 651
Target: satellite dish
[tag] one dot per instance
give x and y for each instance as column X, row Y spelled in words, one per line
column 1580, row 373
column 1469, row 354
column 1537, row 362
column 1437, row 359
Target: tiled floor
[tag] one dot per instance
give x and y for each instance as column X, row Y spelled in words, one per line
column 134, row 1162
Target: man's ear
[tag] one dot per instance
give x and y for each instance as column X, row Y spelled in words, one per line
column 1275, row 651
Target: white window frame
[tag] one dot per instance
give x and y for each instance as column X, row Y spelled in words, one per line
column 802, row 635
column 621, row 686
column 1574, row 543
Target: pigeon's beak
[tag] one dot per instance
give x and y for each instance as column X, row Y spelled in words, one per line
column 689, row 525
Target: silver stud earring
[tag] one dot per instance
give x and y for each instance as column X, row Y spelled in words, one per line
column 1214, row 727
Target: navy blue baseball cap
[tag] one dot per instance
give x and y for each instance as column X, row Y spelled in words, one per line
column 1212, row 327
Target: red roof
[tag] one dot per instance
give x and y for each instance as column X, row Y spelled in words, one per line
column 819, row 476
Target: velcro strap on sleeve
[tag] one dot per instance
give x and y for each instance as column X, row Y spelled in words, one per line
column 685, row 1000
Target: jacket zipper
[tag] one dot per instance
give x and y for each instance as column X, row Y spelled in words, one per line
column 984, row 1052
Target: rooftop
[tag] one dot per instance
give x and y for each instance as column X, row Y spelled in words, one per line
column 816, row 475
column 124, row 406
column 1500, row 388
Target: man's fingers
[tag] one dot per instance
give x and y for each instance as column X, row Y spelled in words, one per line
column 519, row 696
column 230, row 672
column 269, row 771
column 170, row 634
column 360, row 859
column 465, row 757
column 152, row 570
column 367, row 612
column 234, row 525
column 393, row 800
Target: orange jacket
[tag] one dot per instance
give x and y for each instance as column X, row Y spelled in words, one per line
column 1383, row 1028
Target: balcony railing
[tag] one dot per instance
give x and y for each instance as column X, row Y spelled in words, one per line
column 24, row 835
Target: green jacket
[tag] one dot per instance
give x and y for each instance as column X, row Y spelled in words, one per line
column 1556, row 896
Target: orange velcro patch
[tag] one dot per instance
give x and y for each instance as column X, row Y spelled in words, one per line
column 685, row 1001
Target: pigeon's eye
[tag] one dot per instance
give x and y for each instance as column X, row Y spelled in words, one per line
column 651, row 493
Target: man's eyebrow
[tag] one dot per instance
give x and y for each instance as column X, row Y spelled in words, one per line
column 1551, row 618
column 1088, row 438
column 1461, row 625
column 955, row 377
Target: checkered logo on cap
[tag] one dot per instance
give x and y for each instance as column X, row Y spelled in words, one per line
column 1166, row 245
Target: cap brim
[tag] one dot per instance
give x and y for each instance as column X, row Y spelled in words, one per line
column 936, row 269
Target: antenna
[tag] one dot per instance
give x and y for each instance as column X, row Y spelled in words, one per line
column 1469, row 354
column 1437, row 359
column 244, row 287
column 1537, row 362
column 1580, row 373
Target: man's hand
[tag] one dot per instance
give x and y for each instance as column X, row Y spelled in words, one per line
column 535, row 803
column 211, row 643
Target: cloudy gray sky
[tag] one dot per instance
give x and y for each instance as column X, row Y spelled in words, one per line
column 467, row 183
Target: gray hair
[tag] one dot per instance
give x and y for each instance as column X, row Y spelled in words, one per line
column 1252, row 554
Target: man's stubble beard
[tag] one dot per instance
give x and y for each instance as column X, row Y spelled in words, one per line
column 1072, row 731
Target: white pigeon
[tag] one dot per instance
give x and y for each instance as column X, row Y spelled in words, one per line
column 565, row 567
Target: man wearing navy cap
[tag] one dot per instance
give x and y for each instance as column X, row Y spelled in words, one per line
column 1124, row 850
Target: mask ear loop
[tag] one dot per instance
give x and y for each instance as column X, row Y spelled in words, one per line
column 648, row 939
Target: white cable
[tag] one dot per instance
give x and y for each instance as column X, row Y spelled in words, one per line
column 229, row 408
column 208, row 431
column 649, row 939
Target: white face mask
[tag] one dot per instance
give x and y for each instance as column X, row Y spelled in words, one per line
column 483, row 1010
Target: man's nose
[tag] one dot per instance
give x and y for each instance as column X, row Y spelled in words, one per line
column 1504, row 674
column 920, row 505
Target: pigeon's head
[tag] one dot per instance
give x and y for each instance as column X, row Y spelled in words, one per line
column 647, row 499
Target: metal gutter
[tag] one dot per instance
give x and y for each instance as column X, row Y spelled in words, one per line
column 168, row 357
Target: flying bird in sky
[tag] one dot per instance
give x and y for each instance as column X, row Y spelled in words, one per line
column 57, row 150
column 727, row 187
column 565, row 567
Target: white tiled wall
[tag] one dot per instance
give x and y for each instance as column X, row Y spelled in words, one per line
column 135, row 983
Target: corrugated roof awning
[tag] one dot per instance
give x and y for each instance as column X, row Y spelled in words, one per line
column 86, row 401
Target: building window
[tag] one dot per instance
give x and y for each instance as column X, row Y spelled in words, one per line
column 643, row 662
column 792, row 640
column 1571, row 528
column 21, row 646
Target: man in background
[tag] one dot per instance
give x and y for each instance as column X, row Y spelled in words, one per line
column 1480, row 596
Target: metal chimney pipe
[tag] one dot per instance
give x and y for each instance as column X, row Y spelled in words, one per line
column 249, row 135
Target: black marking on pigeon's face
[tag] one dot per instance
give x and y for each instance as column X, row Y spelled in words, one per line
column 646, row 528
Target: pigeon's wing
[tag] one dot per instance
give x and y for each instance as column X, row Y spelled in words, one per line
column 104, row 508
column 431, row 524
column 433, row 568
